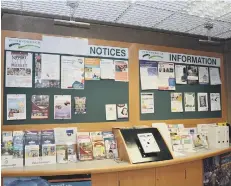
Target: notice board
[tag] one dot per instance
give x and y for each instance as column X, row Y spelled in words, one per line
column 98, row 93
column 162, row 98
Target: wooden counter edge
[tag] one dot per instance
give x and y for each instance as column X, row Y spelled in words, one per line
column 12, row 173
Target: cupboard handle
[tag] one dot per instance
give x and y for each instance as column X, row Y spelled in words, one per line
column 185, row 174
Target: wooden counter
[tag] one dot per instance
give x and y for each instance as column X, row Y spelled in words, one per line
column 105, row 166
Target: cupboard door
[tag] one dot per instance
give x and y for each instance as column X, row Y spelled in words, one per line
column 105, row 179
column 194, row 173
column 173, row 175
column 142, row 177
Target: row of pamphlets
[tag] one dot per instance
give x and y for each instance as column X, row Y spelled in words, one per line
column 204, row 136
column 59, row 145
column 55, row 71
column 164, row 76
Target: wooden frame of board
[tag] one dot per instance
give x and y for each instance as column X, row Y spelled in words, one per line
column 134, row 103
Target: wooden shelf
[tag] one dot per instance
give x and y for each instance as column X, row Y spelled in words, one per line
column 104, row 166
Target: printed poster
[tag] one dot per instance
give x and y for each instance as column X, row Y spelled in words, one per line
column 166, row 75
column 122, row 110
column 215, row 101
column 62, row 106
column 202, row 99
column 16, row 106
column 121, row 71
column 203, row 75
column 111, row 112
column 181, row 74
column 72, row 72
column 148, row 75
column 176, row 102
column 214, row 76
column 147, row 103
column 92, row 69
column 18, row 69
column 192, row 74
column 47, row 71
column 107, row 69
column 40, row 106
column 80, row 105
column 189, row 102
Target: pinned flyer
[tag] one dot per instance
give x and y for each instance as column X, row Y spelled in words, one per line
column 107, row 69
column 202, row 99
column 166, row 76
column 16, row 106
column 121, row 70
column 189, row 102
column 149, row 75
column 18, row 69
column 40, row 106
column 47, row 71
column 214, row 76
column 215, row 101
column 122, row 110
column 92, row 69
column 176, row 102
column 181, row 74
column 110, row 112
column 192, row 74
column 62, row 106
column 72, row 72
column 147, row 103
column 203, row 75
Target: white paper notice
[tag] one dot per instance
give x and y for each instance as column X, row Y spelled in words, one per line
column 176, row 102
column 215, row 101
column 202, row 100
column 181, row 74
column 16, row 106
column 110, row 112
column 148, row 143
column 149, row 75
column 50, row 67
column 147, row 103
column 203, row 75
column 107, row 68
column 18, row 69
column 166, row 76
column 214, row 76
column 189, row 102
column 72, row 72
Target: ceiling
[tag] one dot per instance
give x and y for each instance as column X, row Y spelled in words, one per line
column 184, row 16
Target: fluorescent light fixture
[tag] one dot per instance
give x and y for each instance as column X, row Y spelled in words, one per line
column 71, row 23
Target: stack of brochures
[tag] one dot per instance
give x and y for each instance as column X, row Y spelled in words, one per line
column 58, row 145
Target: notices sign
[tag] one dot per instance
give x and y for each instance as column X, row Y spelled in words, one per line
column 121, row 70
column 18, row 69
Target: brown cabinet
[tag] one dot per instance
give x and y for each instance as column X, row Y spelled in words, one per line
column 173, row 175
column 190, row 174
column 142, row 177
column 105, row 179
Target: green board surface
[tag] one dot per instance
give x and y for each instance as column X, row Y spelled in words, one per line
column 98, row 93
column 162, row 103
